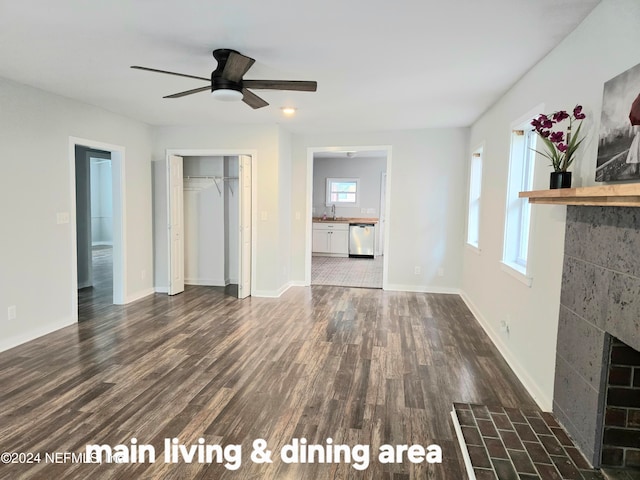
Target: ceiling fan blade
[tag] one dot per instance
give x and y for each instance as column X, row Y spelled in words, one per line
column 169, row 73
column 253, row 100
column 236, row 66
column 189, row 92
column 299, row 85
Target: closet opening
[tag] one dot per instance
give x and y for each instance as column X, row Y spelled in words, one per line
column 210, row 221
column 211, row 224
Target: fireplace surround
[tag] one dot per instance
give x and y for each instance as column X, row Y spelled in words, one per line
column 599, row 307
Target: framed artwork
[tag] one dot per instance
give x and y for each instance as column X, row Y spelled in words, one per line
column 619, row 139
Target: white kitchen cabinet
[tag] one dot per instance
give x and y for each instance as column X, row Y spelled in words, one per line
column 330, row 239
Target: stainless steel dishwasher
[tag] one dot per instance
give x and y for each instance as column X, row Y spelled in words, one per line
column 361, row 240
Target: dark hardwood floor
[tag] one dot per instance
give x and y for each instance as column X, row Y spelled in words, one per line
column 359, row 366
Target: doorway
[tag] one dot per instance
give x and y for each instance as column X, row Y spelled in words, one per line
column 98, row 274
column 210, row 220
column 365, row 173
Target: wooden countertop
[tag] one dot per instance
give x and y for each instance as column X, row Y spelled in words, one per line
column 345, row 220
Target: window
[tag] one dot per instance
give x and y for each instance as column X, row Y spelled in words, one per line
column 475, row 190
column 343, row 191
column 518, row 214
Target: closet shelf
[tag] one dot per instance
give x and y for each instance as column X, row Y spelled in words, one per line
column 211, row 178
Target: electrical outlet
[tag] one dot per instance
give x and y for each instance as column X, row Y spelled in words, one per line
column 441, row 272
column 363, row 210
column 143, row 274
column 12, row 313
column 297, row 215
column 62, row 218
column 264, row 216
column 416, row 270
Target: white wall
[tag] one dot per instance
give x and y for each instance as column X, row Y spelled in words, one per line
column 37, row 255
column 427, row 196
column 285, row 181
column 604, row 45
column 265, row 139
column 368, row 170
column 204, row 222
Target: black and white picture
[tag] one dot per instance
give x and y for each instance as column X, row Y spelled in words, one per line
column 619, row 142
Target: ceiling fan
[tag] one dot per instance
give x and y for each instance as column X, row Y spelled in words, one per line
column 226, row 82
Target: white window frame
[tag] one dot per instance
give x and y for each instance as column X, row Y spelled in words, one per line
column 331, row 181
column 518, row 216
column 475, row 195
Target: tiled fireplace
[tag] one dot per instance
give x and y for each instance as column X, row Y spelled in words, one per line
column 597, row 358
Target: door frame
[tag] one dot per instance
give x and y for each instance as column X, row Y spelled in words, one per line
column 119, row 219
column 309, row 207
column 186, row 152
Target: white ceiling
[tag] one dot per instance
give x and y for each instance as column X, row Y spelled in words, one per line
column 379, row 64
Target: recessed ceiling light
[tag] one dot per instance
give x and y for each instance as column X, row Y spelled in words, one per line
column 288, row 111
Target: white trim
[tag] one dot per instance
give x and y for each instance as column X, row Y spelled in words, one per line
column 543, row 401
column 119, row 219
column 421, row 289
column 473, row 248
column 221, row 152
column 272, row 293
column 161, row 289
column 480, row 148
column 139, row 295
column 328, row 190
column 516, row 272
column 309, row 206
column 463, row 446
column 11, row 342
column 207, row 282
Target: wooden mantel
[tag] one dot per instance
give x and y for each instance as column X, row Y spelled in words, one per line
column 619, row 195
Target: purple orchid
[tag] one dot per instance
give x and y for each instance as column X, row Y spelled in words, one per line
column 561, row 144
column 560, row 116
column 557, row 137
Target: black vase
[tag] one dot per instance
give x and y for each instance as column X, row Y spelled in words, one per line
column 560, row 180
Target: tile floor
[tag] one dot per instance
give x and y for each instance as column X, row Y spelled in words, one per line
column 511, row 444
column 347, row 272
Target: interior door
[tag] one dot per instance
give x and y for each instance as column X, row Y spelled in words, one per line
column 244, row 272
column 176, row 224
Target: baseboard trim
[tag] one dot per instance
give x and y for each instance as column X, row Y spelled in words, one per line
column 25, row 337
column 161, row 289
column 272, row 293
column 420, row 289
column 543, row 401
column 206, row 282
column 140, row 295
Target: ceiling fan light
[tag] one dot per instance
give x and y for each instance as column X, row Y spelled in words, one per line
column 227, row 94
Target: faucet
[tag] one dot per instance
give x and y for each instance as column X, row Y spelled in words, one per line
column 333, row 211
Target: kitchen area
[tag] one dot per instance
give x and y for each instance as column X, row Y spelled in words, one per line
column 347, row 225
